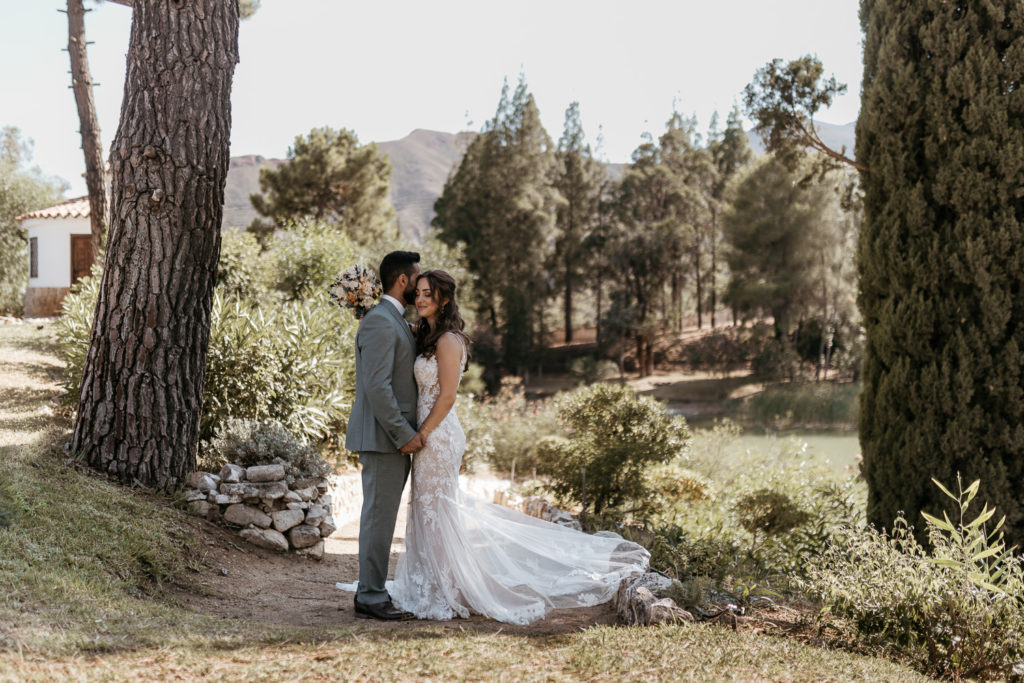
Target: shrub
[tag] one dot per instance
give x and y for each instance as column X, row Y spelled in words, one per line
column 291, row 362
column 238, row 267
column 288, row 361
column 956, row 612
column 517, row 427
column 74, row 328
column 616, row 434
column 590, row 369
column 476, row 423
column 306, row 257
column 805, row 404
column 263, row 442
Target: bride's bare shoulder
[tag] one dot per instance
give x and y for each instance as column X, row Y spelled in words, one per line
column 450, row 342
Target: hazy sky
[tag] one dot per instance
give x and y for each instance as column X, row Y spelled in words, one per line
column 386, row 67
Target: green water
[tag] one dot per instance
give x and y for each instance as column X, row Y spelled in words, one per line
column 838, row 448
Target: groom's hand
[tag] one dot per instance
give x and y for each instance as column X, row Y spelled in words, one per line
column 415, row 443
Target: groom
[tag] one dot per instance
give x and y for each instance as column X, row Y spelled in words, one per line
column 382, row 427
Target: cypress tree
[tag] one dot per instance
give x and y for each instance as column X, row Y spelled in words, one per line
column 941, row 255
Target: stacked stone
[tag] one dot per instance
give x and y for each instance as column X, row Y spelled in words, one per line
column 272, row 513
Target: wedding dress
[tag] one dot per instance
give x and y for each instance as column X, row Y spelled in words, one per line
column 466, row 556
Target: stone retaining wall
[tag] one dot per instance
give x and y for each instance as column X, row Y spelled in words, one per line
column 271, row 512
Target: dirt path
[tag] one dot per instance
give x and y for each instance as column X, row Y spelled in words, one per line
column 238, row 581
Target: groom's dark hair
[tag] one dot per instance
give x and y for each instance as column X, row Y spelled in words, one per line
column 394, row 264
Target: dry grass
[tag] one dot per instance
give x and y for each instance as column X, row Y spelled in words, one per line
column 88, row 570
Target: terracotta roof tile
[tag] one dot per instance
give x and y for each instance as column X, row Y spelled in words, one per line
column 72, row 208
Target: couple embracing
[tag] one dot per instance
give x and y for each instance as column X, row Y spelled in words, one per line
column 462, row 555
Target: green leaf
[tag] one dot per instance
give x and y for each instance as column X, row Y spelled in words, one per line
column 944, row 489
column 972, row 490
column 935, row 521
column 986, row 553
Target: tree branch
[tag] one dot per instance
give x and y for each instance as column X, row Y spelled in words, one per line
column 812, row 140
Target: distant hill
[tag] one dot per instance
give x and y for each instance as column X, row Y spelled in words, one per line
column 833, row 135
column 421, row 162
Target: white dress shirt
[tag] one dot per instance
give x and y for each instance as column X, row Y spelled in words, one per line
column 395, row 302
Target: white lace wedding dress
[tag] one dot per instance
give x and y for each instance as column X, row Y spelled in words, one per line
column 467, row 556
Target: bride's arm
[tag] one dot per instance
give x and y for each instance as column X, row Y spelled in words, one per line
column 449, row 358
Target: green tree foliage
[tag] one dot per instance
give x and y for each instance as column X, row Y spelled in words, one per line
column 579, row 180
column 774, row 227
column 730, row 151
column 500, row 203
column 941, row 255
column 783, row 99
column 661, row 221
column 22, row 189
column 617, row 435
column 331, row 178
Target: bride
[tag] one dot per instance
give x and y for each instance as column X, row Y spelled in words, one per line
column 466, row 556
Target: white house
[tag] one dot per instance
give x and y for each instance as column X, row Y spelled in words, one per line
column 60, row 252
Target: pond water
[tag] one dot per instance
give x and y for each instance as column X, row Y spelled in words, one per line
column 838, row 448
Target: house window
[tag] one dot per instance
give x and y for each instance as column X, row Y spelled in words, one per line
column 33, row 257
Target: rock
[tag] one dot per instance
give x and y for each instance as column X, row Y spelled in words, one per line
column 296, row 506
column 204, row 481
column 199, row 508
column 635, row 603
column 608, row 534
column 265, row 538
column 315, row 515
column 304, row 536
column 308, row 482
column 654, row 582
column 536, row 507
column 264, row 473
column 232, row 474
column 254, row 492
column 244, row 515
column 226, row 499
column 307, row 494
column 286, row 519
column 314, row 551
column 322, row 486
column 563, row 518
column 292, row 497
column 328, row 527
column 326, row 500
column 189, row 495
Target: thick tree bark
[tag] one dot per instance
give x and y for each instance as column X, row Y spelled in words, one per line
column 92, row 148
column 568, row 300
column 138, row 414
column 714, row 264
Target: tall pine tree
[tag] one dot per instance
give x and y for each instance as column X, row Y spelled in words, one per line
column 579, row 181
column 501, row 203
column 941, row 254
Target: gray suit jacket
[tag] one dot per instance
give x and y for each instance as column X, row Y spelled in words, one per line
column 383, row 416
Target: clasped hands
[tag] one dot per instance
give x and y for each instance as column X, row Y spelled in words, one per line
column 415, row 443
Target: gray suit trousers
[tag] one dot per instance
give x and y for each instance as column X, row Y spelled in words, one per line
column 384, row 476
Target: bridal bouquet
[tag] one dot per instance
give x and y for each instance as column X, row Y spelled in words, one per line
column 357, row 288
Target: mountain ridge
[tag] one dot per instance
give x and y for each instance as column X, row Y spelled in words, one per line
column 421, row 163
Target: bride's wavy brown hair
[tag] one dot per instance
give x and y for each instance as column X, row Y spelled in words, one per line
column 442, row 286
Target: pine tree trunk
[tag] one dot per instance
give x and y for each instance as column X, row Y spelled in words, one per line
column 139, row 408
column 714, row 264
column 92, row 148
column 597, row 331
column 700, row 295
column 568, row 303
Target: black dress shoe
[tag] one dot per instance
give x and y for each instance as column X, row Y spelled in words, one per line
column 382, row 611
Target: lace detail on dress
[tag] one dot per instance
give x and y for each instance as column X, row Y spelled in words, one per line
column 464, row 555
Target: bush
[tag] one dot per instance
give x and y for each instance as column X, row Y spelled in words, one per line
column 590, row 369
column 263, row 442
column 291, row 362
column 288, row 361
column 517, row 428
column 306, row 257
column 238, row 267
column 817, row 405
column 476, row 423
column 616, row 434
column 956, row 612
